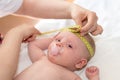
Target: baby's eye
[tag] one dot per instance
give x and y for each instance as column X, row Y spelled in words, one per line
column 58, row 40
column 70, row 46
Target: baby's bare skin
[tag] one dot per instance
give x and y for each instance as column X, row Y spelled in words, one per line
column 43, row 69
column 62, row 59
column 92, row 73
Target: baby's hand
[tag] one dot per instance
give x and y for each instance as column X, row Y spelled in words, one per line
column 92, row 73
column 87, row 19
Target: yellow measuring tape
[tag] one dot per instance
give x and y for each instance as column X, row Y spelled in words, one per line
column 76, row 30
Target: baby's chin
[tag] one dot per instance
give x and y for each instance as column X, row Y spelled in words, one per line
column 50, row 54
column 51, row 57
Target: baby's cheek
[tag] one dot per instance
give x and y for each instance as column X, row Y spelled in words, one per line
column 49, row 46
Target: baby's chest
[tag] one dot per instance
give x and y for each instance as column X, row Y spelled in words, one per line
column 46, row 72
column 53, row 73
column 49, row 71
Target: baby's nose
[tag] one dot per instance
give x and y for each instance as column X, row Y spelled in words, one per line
column 59, row 44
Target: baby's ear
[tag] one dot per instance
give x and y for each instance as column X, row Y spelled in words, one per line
column 81, row 63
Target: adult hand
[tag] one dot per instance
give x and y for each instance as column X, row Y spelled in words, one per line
column 87, row 19
column 30, row 34
column 27, row 32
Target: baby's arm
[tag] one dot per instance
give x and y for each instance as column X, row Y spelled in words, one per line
column 36, row 47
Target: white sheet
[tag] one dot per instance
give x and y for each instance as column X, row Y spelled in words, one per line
column 107, row 56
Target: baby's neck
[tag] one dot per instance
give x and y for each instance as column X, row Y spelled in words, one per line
column 67, row 68
column 72, row 69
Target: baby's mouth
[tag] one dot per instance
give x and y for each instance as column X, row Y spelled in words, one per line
column 54, row 50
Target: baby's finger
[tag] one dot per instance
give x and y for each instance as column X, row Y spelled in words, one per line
column 99, row 30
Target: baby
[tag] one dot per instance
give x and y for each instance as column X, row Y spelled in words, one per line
column 67, row 52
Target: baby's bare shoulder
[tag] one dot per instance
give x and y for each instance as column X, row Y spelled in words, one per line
column 41, row 68
column 60, row 73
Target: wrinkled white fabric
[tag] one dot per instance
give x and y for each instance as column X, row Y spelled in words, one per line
column 9, row 6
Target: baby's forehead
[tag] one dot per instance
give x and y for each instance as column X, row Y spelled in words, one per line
column 70, row 36
column 66, row 33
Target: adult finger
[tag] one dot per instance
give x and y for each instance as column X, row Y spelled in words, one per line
column 31, row 38
column 92, row 29
column 91, row 21
column 78, row 21
column 99, row 30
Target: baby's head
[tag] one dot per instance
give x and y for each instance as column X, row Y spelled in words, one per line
column 71, row 51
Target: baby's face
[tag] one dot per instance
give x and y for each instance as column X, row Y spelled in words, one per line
column 66, row 49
